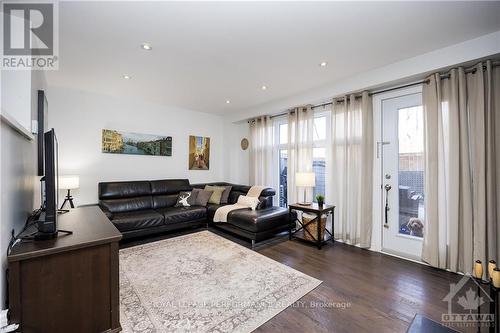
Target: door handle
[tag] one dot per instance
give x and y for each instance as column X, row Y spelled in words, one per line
column 387, row 187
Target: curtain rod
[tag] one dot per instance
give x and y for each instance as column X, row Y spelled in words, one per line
column 443, row 76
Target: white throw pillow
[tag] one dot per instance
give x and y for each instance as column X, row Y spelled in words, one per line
column 250, row 202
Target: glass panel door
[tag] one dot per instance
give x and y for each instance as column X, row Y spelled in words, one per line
column 403, row 175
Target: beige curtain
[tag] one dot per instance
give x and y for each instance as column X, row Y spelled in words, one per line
column 262, row 152
column 300, row 150
column 461, row 115
column 349, row 175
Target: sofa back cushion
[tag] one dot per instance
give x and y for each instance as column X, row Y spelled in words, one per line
column 169, row 186
column 166, row 191
column 120, row 190
column 119, row 197
column 127, row 204
column 162, row 201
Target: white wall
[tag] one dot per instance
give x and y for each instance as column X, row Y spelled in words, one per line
column 16, row 92
column 18, row 180
column 236, row 159
column 79, row 117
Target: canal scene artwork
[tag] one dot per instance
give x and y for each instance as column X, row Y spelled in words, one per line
column 117, row 142
column 199, row 153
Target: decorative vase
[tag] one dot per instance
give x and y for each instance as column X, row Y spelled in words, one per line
column 478, row 269
column 321, row 203
column 496, row 277
column 491, row 266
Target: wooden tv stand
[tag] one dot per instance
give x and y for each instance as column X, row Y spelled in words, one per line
column 70, row 283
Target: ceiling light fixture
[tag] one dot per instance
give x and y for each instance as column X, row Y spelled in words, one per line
column 146, row 46
column 126, row 77
column 228, row 101
column 263, row 87
column 323, row 64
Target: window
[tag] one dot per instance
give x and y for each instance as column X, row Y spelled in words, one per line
column 282, row 129
column 283, row 173
column 411, row 166
column 319, row 155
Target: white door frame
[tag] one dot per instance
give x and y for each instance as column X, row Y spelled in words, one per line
column 378, row 191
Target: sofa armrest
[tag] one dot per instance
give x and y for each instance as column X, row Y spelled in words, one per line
column 268, row 192
column 265, row 202
column 106, row 211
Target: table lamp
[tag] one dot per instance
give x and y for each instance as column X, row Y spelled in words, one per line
column 69, row 183
column 305, row 180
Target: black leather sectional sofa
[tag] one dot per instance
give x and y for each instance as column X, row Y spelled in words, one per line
column 140, row 208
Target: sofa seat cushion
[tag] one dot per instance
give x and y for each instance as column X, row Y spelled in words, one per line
column 137, row 220
column 259, row 220
column 182, row 214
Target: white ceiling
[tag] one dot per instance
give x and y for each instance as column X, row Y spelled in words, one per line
column 206, row 53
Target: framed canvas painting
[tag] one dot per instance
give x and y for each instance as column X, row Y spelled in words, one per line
column 199, row 153
column 116, row 142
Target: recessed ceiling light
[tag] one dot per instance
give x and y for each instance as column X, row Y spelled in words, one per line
column 126, row 77
column 146, row 46
column 263, row 87
column 228, row 101
column 323, row 64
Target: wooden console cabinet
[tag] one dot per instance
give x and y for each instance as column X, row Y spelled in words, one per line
column 68, row 284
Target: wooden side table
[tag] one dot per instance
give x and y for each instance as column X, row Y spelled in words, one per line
column 318, row 211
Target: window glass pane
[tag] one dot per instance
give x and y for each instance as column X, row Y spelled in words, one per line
column 319, row 128
column 319, row 171
column 283, row 133
column 411, row 171
column 319, row 153
column 283, row 174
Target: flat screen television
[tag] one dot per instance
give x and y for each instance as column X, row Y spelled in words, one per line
column 42, row 119
column 47, row 223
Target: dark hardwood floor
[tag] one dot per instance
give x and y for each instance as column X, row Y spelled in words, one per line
column 362, row 291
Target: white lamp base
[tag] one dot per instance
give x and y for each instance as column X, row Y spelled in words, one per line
column 305, row 203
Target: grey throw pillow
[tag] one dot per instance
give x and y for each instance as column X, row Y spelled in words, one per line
column 186, row 199
column 202, row 197
column 225, row 195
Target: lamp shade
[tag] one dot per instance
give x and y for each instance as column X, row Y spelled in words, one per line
column 305, row 179
column 69, row 182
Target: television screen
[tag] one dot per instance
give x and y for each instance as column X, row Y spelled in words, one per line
column 42, row 119
column 49, row 223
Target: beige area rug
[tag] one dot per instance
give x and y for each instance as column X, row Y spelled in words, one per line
column 202, row 282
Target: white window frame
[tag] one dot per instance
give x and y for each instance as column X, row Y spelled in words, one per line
column 277, row 148
column 278, row 121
